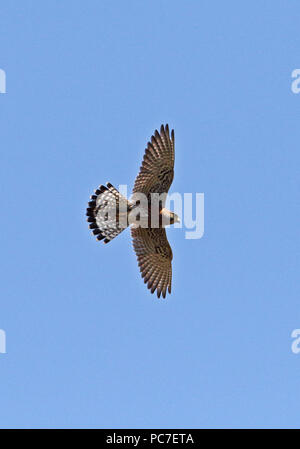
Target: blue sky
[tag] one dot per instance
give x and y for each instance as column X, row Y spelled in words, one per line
column 87, row 344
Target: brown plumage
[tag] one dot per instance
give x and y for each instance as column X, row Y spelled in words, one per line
column 151, row 245
column 157, row 169
column 154, row 257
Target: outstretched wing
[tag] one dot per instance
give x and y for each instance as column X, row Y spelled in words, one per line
column 157, row 169
column 154, row 256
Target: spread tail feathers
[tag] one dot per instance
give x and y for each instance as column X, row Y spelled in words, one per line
column 107, row 212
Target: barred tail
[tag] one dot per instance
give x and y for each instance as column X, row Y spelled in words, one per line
column 107, row 212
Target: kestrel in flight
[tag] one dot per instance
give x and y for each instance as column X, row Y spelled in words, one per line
column 109, row 212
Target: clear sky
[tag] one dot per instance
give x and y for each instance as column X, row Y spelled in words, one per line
column 87, row 84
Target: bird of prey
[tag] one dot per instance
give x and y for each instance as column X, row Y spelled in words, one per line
column 109, row 212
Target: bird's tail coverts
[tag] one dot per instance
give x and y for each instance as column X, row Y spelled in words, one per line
column 107, row 212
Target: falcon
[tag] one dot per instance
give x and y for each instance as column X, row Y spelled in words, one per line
column 109, row 212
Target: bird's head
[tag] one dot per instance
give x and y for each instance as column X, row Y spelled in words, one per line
column 174, row 218
column 169, row 217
